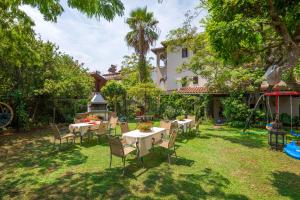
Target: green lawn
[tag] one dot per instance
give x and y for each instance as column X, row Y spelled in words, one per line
column 220, row 164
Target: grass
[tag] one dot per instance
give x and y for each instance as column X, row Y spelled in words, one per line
column 220, row 164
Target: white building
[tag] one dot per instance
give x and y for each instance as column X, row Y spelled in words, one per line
column 165, row 73
column 166, row 76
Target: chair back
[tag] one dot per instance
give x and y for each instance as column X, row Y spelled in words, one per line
column 102, row 129
column 193, row 118
column 124, row 127
column 165, row 124
column 172, row 139
column 56, row 132
column 76, row 120
column 116, row 147
column 113, row 122
column 174, row 126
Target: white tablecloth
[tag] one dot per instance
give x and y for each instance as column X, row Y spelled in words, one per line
column 184, row 124
column 83, row 127
column 144, row 139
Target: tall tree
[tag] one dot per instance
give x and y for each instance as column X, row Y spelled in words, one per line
column 144, row 32
column 267, row 31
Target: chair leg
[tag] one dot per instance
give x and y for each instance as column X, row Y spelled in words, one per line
column 175, row 152
column 110, row 160
column 54, row 143
column 123, row 158
column 59, row 143
column 169, row 159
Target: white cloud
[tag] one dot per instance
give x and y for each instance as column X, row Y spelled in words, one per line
column 99, row 44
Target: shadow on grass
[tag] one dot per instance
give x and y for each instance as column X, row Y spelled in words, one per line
column 287, row 184
column 248, row 140
column 205, row 184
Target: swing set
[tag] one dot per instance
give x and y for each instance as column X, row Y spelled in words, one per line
column 293, row 148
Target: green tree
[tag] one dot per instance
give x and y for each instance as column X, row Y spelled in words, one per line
column 114, row 92
column 144, row 32
column 265, row 32
column 51, row 9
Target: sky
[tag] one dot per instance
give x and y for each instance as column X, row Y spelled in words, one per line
column 99, row 43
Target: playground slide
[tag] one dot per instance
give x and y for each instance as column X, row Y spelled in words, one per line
column 293, row 150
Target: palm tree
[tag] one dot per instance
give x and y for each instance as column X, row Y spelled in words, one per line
column 143, row 34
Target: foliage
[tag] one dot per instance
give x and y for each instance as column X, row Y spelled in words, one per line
column 180, row 117
column 175, row 104
column 51, row 9
column 130, row 73
column 286, row 119
column 114, row 92
column 143, row 34
column 236, row 110
column 144, row 93
column 35, row 76
column 264, row 32
column 145, row 126
column 169, row 113
column 140, row 95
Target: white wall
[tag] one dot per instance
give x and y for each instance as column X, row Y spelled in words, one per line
column 174, row 60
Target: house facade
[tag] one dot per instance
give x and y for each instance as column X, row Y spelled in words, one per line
column 166, row 76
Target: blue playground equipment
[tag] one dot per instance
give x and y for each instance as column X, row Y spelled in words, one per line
column 293, row 148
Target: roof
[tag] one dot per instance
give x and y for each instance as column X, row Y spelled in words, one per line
column 112, row 76
column 98, row 99
column 159, row 49
column 190, row 90
column 97, row 76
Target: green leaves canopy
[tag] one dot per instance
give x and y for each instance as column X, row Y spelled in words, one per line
column 245, row 31
column 51, row 9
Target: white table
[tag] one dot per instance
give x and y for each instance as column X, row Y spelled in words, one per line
column 184, row 124
column 82, row 128
column 143, row 139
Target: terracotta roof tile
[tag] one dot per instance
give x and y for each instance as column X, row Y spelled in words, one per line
column 191, row 90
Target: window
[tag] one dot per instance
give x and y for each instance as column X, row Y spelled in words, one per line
column 184, row 52
column 195, row 80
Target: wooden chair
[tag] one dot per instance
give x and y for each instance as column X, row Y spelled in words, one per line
column 197, row 126
column 117, row 149
column 170, row 144
column 59, row 136
column 124, row 127
column 193, row 122
column 101, row 131
column 113, row 121
column 166, row 124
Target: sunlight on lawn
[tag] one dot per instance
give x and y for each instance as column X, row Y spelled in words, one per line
column 218, row 164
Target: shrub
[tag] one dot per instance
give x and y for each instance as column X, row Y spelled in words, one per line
column 170, row 113
column 236, row 110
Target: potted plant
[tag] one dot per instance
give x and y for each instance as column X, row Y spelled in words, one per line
column 145, row 127
column 180, row 118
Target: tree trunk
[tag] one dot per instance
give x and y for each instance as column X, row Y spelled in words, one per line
column 293, row 53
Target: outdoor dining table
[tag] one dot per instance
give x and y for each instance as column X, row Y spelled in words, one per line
column 143, row 140
column 184, row 124
column 83, row 128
